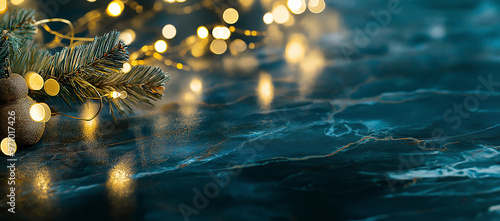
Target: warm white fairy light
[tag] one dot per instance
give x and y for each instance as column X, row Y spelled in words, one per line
column 40, row 112
column 52, row 87
column 115, row 8
column 127, row 36
column 281, row 14
column 161, row 46
column 169, row 31
column 218, row 46
column 230, row 16
column 126, row 67
column 297, row 6
column 268, row 18
column 221, row 32
column 316, row 6
column 202, row 32
column 8, row 146
column 34, row 81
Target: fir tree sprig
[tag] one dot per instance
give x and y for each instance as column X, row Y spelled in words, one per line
column 91, row 71
column 19, row 28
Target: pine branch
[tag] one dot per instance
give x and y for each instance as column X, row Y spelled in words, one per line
column 19, row 28
column 75, row 68
column 33, row 58
column 94, row 70
column 103, row 57
column 140, row 83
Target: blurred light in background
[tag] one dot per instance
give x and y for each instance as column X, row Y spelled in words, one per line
column 295, row 49
column 196, row 85
column 265, row 90
column 161, row 46
column 281, row 14
column 202, row 32
column 237, row 46
column 115, row 8
column 127, row 36
column 169, row 31
column 218, row 46
column 297, row 6
column 221, row 32
column 230, row 16
column 316, row 6
column 3, row 6
column 126, row 67
column 16, row 2
column 268, row 18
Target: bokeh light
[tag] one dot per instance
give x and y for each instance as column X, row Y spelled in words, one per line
column 3, row 6
column 268, row 18
column 127, row 36
column 316, row 6
column 218, row 46
column 230, row 16
column 295, row 49
column 221, row 32
column 115, row 8
column 281, row 14
column 16, row 2
column 169, row 31
column 297, row 6
column 202, row 32
column 161, row 46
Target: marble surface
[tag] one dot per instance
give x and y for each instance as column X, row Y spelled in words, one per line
column 403, row 128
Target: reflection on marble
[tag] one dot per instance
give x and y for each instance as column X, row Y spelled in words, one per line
column 404, row 128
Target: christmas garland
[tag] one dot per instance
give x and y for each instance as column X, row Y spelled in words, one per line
column 71, row 76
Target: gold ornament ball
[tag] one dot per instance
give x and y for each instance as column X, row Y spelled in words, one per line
column 14, row 99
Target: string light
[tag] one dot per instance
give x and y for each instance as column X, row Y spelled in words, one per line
column 16, row 2
column 161, row 46
column 218, row 46
column 297, row 6
column 126, row 67
column 281, row 14
column 221, row 32
column 123, row 95
column 230, row 16
column 3, row 6
column 52, row 87
column 8, row 146
column 202, row 32
column 115, row 8
column 268, row 18
column 237, row 46
column 34, row 81
column 40, row 112
column 196, row 85
column 169, row 31
column 127, row 36
column 316, row 6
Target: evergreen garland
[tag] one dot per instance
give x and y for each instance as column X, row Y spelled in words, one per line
column 88, row 71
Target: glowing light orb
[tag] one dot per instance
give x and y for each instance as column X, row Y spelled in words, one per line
column 40, row 112
column 268, row 18
column 230, row 16
column 115, row 8
column 34, row 81
column 169, row 31
column 52, row 87
column 161, row 46
column 202, row 32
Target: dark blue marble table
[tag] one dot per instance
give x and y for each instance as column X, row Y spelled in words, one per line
column 405, row 126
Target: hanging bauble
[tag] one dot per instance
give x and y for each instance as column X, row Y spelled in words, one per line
column 15, row 106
